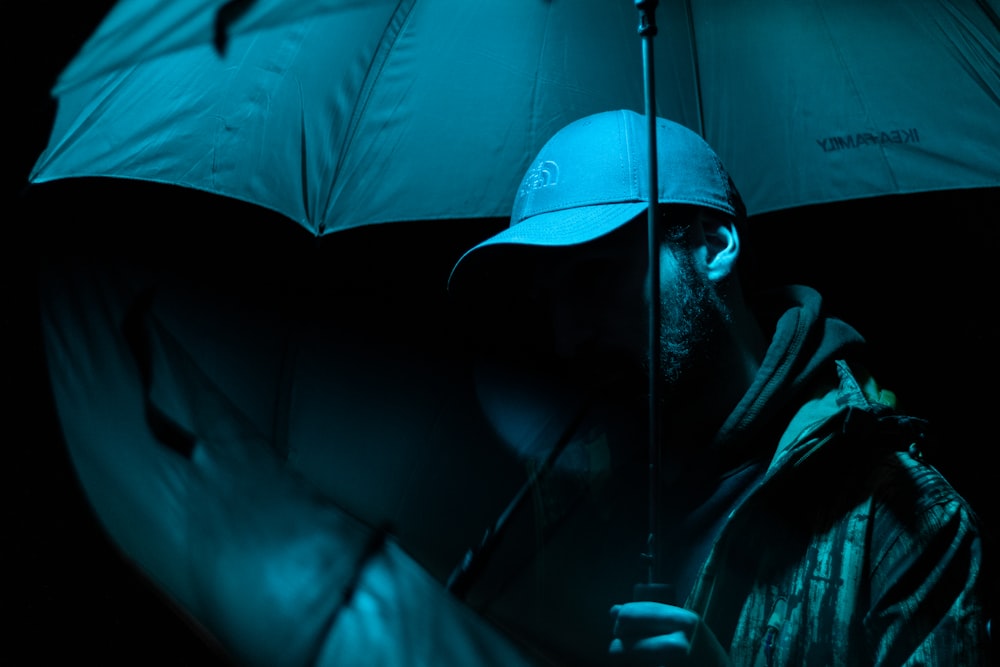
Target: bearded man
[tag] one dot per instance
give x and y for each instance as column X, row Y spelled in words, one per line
column 798, row 521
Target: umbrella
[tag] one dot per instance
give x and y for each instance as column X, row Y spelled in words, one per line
column 339, row 114
column 108, row 126
column 357, row 90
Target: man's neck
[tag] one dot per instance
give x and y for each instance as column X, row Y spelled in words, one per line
column 693, row 413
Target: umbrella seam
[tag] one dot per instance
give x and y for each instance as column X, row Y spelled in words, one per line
column 387, row 43
column 849, row 74
column 696, row 73
column 534, row 81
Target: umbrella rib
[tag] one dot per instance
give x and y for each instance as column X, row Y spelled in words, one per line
column 387, row 43
column 696, row 70
column 534, row 117
column 856, row 90
column 475, row 559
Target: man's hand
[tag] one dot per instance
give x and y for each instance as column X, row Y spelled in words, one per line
column 652, row 633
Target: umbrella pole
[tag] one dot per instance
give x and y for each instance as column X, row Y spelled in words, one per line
column 652, row 589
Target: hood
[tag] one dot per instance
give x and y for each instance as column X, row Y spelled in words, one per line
column 805, row 342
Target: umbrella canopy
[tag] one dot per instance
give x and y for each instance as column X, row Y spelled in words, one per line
column 339, row 114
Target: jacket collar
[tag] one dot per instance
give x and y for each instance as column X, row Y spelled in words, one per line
column 852, row 403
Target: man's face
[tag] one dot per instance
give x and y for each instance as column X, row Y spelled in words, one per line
column 598, row 301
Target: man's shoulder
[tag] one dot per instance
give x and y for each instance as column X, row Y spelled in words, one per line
column 907, row 479
column 859, row 434
column 916, row 513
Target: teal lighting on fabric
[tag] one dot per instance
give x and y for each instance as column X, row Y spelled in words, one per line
column 339, row 114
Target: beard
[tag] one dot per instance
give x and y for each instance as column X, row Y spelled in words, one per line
column 693, row 313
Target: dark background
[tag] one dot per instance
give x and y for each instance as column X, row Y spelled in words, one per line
column 914, row 273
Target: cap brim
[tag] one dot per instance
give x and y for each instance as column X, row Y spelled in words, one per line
column 557, row 229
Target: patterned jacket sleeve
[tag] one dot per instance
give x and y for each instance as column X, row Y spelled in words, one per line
column 927, row 598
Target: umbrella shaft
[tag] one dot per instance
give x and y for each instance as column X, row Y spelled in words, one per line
column 647, row 30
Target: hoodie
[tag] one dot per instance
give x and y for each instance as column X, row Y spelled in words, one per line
column 804, row 344
column 847, row 547
column 798, row 546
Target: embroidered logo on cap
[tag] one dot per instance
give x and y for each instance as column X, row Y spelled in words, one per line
column 543, row 175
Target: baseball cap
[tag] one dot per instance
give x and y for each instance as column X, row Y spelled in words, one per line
column 592, row 177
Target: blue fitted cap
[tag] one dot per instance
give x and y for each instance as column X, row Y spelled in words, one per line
column 592, row 177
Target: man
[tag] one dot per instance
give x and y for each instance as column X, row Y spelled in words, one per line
column 799, row 523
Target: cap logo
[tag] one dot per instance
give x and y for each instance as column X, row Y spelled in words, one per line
column 542, row 175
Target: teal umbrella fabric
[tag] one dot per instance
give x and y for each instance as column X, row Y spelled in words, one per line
column 340, row 114
column 359, row 114
column 296, row 475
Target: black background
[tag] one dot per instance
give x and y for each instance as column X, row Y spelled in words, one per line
column 916, row 274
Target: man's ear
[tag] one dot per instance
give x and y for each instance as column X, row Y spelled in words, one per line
column 722, row 244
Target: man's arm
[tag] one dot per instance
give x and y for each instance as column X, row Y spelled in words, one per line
column 928, row 590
